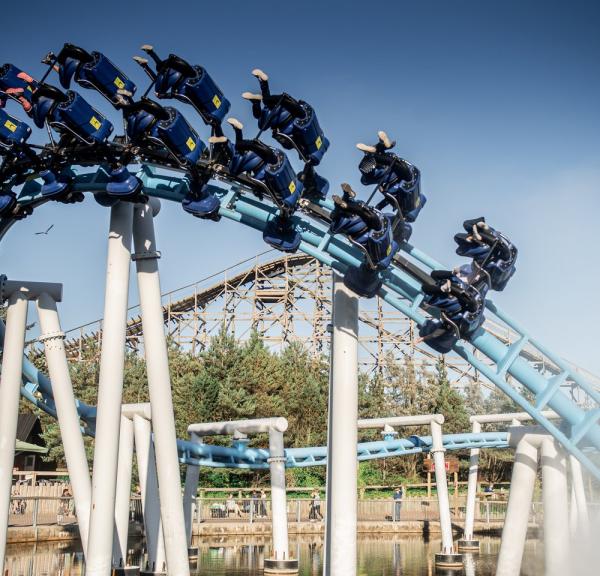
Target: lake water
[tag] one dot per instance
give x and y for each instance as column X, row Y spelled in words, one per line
column 377, row 556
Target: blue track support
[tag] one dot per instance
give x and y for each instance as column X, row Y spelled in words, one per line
column 496, row 360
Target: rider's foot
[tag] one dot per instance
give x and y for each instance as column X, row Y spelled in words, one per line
column 260, row 74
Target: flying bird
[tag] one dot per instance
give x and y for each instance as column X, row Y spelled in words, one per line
column 46, row 231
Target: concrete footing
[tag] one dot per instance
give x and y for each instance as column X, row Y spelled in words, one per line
column 126, row 571
column 470, row 545
column 272, row 566
column 443, row 560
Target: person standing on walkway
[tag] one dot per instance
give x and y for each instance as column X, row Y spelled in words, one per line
column 263, row 504
column 398, row 497
column 317, row 505
column 64, row 506
column 232, row 507
column 255, row 502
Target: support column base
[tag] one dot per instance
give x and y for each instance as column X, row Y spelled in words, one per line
column 193, row 552
column 272, row 566
column 453, row 560
column 469, row 545
column 126, row 571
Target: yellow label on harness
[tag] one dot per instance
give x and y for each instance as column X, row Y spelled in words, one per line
column 389, row 249
column 216, row 101
column 29, row 88
column 292, row 187
column 119, row 83
column 95, row 122
column 191, row 144
column 10, row 125
column 319, row 142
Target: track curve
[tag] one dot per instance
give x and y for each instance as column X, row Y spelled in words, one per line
column 401, row 288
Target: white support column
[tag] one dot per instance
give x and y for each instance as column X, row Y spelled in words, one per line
column 192, row 476
column 514, row 532
column 342, row 473
column 583, row 520
column 448, row 556
column 10, row 389
column 163, row 420
column 468, row 542
column 66, row 409
column 281, row 555
column 123, row 494
column 146, row 459
column 110, row 391
column 556, row 508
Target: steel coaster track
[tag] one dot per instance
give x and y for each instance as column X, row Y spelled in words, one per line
column 37, row 389
column 402, row 289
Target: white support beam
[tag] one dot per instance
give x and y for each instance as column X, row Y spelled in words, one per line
column 146, row 460
column 10, row 390
column 159, row 386
column 66, row 410
column 110, row 391
column 342, row 436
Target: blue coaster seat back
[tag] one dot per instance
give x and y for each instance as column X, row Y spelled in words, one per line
column 372, row 230
column 139, row 123
column 179, row 137
column 8, row 201
column 470, row 249
column 376, row 236
column 82, row 119
column 281, row 179
column 178, row 79
column 247, row 162
column 381, row 246
column 490, row 249
column 352, row 226
column 92, row 70
column 15, row 81
column 396, row 177
column 461, row 306
column 44, row 102
column 167, row 127
column 309, row 136
column 12, row 130
column 276, row 118
column 305, row 132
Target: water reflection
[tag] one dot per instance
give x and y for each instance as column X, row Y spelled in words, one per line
column 381, row 555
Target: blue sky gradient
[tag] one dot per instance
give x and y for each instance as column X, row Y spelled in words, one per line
column 496, row 102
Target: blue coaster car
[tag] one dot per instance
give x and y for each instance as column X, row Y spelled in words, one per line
column 490, row 250
column 372, row 231
column 18, row 85
column 91, row 70
column 13, row 146
column 69, row 113
column 294, row 122
column 176, row 78
column 149, row 122
column 461, row 307
column 268, row 171
column 13, row 132
column 396, row 178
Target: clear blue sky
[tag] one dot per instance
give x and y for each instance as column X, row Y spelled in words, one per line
column 498, row 103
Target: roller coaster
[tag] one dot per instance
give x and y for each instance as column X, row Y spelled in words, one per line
column 161, row 156
column 253, row 183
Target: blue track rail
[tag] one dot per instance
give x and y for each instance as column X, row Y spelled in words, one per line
column 502, row 364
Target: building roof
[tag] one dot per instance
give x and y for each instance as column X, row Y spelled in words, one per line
column 29, row 448
column 25, row 425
